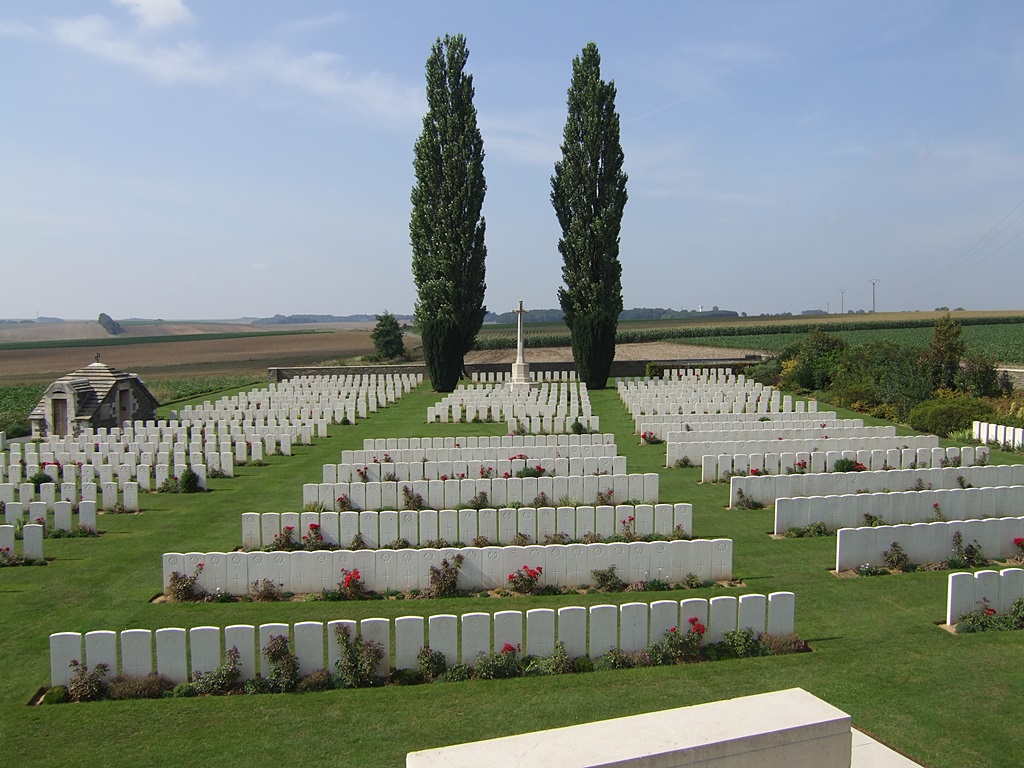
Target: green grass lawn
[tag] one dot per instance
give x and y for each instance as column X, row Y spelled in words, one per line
column 879, row 652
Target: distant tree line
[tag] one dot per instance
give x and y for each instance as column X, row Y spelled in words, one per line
column 109, row 324
column 637, row 313
column 296, row 319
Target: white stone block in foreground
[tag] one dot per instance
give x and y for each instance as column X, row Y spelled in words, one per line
column 781, row 729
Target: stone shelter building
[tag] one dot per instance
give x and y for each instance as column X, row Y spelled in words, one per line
column 94, row 396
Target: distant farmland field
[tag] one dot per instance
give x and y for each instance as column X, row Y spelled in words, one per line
column 1000, row 334
column 185, row 356
column 1004, row 342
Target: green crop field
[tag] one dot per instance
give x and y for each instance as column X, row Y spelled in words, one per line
column 1000, row 336
column 16, row 402
column 878, row 652
column 1003, row 342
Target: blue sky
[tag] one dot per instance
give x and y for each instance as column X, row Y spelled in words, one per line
column 187, row 159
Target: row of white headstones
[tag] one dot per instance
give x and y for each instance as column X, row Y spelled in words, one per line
column 592, row 631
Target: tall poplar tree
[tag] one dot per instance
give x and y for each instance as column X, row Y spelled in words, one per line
column 447, row 229
column 588, row 192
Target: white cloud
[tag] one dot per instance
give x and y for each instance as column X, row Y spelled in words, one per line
column 319, row 73
column 530, row 138
column 182, row 62
column 17, row 29
column 153, row 14
column 299, row 25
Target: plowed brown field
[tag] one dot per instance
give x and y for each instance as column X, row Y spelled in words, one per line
column 187, row 358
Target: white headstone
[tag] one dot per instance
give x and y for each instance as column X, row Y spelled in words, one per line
column 170, row 654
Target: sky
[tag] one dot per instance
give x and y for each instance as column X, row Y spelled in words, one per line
column 201, row 159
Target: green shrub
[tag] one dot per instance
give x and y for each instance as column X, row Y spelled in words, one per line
column 357, row 665
column 444, row 579
column 767, row 372
column 500, row 666
column 895, row 558
column 744, row 643
column 221, row 680
column 56, row 695
column 86, row 684
column 940, row 417
column 978, row 375
column 265, row 591
column 693, row 581
column 811, row 531
column 848, row 465
column 284, row 665
column 38, row 478
column 984, row 618
column 617, row 658
column 536, row 471
column 431, row 664
column 966, row 555
column 817, row 361
column 151, row 686
column 654, row 370
column 558, row 663
column 607, row 580
column 779, row 645
column 182, row 588
column 656, row 585
column 188, row 481
column 745, row 502
column 406, row 677
column 317, row 680
column 457, row 673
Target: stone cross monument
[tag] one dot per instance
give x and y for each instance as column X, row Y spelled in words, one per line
column 520, row 368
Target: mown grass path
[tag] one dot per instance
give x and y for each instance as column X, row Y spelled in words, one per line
column 879, row 655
